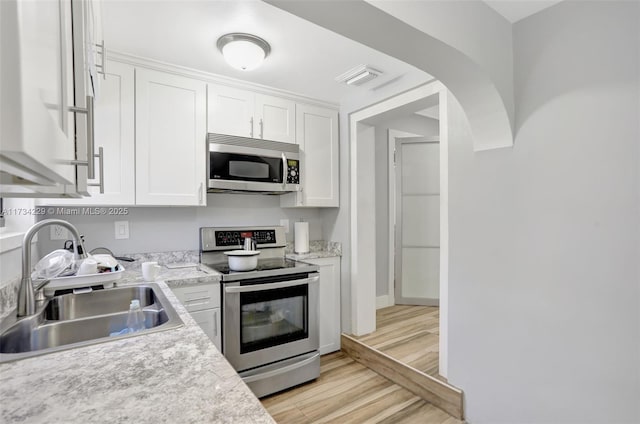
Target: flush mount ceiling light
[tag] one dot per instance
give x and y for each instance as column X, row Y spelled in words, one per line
column 243, row 51
column 358, row 75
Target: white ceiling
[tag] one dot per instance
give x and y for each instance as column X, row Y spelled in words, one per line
column 305, row 58
column 515, row 10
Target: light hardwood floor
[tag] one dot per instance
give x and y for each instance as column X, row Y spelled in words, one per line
column 409, row 334
column 347, row 392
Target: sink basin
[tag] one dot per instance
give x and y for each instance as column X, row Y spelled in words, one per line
column 75, row 320
column 99, row 302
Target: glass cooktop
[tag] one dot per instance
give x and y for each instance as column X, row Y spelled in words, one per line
column 272, row 266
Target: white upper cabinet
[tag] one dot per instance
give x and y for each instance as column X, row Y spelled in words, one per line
column 44, row 76
column 317, row 135
column 114, row 133
column 170, row 139
column 230, row 111
column 235, row 111
column 276, row 118
column 37, row 76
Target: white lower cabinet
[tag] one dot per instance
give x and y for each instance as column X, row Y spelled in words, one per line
column 209, row 321
column 329, row 305
column 203, row 303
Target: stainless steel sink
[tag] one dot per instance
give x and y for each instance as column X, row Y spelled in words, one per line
column 99, row 302
column 75, row 320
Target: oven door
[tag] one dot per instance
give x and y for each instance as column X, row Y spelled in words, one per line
column 270, row 319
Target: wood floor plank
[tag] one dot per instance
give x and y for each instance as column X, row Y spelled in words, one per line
column 409, row 334
column 348, row 392
column 442, row 395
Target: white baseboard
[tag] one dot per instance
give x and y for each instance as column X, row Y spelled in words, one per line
column 383, row 301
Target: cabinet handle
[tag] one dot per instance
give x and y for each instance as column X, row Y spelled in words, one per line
column 91, row 169
column 261, row 128
column 103, row 66
column 200, row 193
column 251, row 126
column 100, row 157
column 215, row 323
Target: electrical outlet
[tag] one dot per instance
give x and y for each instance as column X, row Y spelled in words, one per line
column 58, row 233
column 285, row 223
column 122, row 230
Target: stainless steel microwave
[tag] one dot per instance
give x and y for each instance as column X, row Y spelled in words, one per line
column 240, row 164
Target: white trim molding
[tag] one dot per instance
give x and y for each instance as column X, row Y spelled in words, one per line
column 384, row 301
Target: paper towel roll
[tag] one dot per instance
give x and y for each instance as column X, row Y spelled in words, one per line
column 301, row 234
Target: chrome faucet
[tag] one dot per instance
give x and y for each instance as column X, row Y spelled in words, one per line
column 26, row 293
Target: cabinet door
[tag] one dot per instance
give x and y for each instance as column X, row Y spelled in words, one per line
column 230, row 111
column 114, row 132
column 275, row 118
column 329, row 304
column 170, row 139
column 87, row 24
column 317, row 135
column 209, row 321
column 37, row 131
column 199, row 297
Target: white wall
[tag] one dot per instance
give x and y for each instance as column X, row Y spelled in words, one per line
column 544, row 238
column 162, row 229
column 413, row 124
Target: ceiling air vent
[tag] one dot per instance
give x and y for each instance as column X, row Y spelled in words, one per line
column 359, row 75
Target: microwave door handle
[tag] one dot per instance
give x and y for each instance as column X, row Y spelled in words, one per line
column 285, row 170
column 271, row 286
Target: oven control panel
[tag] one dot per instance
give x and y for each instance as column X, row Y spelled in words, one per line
column 229, row 238
column 236, row 238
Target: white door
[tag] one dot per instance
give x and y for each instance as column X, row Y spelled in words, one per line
column 275, row 118
column 417, row 261
column 170, row 139
column 231, row 111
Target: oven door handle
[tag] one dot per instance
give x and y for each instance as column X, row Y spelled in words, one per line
column 271, row 286
column 280, row 371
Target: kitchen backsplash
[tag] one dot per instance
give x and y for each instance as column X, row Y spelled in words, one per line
column 9, row 297
column 177, row 228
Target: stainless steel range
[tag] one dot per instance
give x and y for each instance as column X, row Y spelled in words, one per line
column 270, row 314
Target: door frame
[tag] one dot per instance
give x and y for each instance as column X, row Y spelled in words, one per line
column 362, row 255
column 393, row 221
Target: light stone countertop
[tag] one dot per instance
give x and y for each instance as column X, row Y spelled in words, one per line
column 317, row 249
column 311, row 255
column 178, row 277
column 173, row 376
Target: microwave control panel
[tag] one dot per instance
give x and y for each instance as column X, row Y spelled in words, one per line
column 293, row 171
